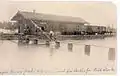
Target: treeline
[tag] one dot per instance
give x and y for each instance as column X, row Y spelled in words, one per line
column 8, row 25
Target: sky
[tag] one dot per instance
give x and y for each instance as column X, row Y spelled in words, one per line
column 93, row 12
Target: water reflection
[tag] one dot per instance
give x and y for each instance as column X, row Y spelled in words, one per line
column 39, row 56
column 57, row 45
column 47, row 43
column 52, row 50
column 1, row 42
column 87, row 50
column 70, row 47
column 22, row 42
column 52, row 46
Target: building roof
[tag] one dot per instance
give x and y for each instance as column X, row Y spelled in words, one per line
column 41, row 16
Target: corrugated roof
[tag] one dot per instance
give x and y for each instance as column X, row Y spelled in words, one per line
column 41, row 16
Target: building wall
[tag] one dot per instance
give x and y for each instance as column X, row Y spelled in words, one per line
column 24, row 25
column 50, row 25
column 71, row 27
column 65, row 26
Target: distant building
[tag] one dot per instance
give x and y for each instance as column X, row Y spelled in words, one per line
column 7, row 31
column 47, row 22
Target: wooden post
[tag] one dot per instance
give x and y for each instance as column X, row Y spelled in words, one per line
column 35, row 41
column 70, row 46
column 27, row 40
column 111, row 54
column 20, row 42
column 87, row 50
column 57, row 44
column 47, row 43
column 1, row 35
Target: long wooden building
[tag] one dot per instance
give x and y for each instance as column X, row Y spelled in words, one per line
column 47, row 22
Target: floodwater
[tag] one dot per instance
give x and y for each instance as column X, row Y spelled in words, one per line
column 51, row 59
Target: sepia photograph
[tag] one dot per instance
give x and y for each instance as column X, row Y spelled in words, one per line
column 58, row 38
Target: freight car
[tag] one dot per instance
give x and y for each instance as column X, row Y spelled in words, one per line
column 73, row 29
column 86, row 30
column 92, row 30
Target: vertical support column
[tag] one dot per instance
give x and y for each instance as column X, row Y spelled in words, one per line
column 27, row 40
column 21, row 38
column 35, row 41
column 47, row 43
column 57, row 44
column 87, row 50
column 1, row 35
column 111, row 54
column 70, row 46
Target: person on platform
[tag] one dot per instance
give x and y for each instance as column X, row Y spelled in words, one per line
column 51, row 34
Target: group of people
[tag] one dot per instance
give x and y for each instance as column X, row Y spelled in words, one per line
column 27, row 31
